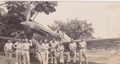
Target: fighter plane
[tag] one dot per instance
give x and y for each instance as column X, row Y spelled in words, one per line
column 38, row 32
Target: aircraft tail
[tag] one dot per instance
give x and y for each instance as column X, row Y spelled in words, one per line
column 66, row 37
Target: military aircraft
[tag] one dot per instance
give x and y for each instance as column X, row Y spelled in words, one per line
column 37, row 32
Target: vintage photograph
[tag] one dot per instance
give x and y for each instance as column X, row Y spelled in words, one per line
column 59, row 32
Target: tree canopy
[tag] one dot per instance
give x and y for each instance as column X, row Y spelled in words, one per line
column 74, row 28
column 15, row 14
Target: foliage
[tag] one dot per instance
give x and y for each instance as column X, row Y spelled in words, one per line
column 74, row 28
column 10, row 20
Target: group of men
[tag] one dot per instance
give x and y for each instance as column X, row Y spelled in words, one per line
column 54, row 48
column 81, row 46
column 22, row 51
column 43, row 48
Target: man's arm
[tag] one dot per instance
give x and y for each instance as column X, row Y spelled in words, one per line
column 62, row 48
column 70, row 47
column 85, row 45
column 30, row 42
column 14, row 45
column 75, row 46
column 5, row 48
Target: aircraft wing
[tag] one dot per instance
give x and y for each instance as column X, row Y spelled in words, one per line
column 96, row 43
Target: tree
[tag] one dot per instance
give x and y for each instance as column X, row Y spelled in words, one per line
column 74, row 28
column 10, row 20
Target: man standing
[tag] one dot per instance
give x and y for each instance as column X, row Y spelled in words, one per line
column 82, row 49
column 46, row 52
column 60, row 51
column 26, row 48
column 19, row 48
column 53, row 45
column 8, row 51
column 40, row 52
column 72, row 53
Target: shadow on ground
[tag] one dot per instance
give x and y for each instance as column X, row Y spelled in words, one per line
column 35, row 61
column 69, row 63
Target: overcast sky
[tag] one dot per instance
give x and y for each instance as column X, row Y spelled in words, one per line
column 105, row 16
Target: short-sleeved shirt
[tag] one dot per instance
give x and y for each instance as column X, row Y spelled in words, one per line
column 19, row 45
column 46, row 46
column 82, row 44
column 53, row 44
column 39, row 47
column 72, row 46
column 60, row 48
column 8, row 46
column 26, row 46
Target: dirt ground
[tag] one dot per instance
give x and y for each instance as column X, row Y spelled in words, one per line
column 94, row 57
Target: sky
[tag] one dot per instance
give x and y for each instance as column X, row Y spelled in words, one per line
column 105, row 16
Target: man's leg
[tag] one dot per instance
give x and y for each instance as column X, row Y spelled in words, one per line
column 68, row 57
column 61, row 58
column 46, row 57
column 84, row 55
column 43, row 57
column 6, row 54
column 80, row 56
column 39, row 57
column 24, row 57
column 19, row 57
column 74, row 57
column 55, row 58
column 16, row 56
column 10, row 57
column 51, row 56
column 27, row 57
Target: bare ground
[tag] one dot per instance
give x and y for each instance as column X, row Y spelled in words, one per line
column 94, row 57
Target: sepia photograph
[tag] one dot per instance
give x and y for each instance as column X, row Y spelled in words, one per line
column 59, row 32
